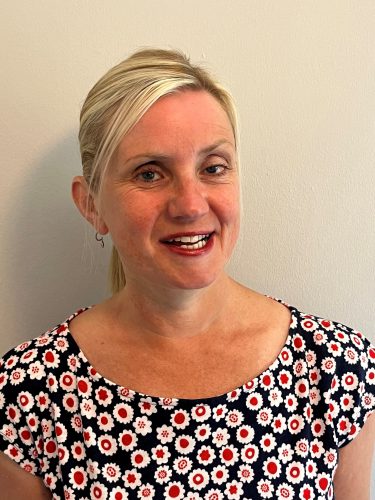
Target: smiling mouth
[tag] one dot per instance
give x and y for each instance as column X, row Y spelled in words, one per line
column 190, row 242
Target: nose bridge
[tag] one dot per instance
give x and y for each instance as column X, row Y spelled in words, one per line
column 188, row 198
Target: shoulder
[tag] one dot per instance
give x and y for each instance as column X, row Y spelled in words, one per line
column 341, row 365
column 29, row 362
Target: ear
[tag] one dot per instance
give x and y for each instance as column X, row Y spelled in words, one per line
column 85, row 202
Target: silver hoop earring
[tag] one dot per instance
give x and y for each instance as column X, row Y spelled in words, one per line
column 100, row 239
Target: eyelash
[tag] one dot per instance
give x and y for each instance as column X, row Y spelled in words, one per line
column 149, row 169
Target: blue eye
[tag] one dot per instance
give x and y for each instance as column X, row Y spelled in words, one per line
column 148, row 176
column 216, row 169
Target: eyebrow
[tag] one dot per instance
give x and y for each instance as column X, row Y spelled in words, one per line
column 159, row 156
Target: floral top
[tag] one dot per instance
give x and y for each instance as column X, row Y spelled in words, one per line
column 277, row 436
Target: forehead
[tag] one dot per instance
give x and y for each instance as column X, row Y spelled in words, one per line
column 194, row 119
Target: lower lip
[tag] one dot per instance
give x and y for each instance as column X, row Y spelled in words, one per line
column 192, row 253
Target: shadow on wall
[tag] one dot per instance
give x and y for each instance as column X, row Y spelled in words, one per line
column 54, row 266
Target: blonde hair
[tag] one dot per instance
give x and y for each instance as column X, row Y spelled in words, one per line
column 118, row 101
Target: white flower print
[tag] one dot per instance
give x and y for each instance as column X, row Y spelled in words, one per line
column 78, row 478
column 103, row 396
column 316, row 448
column 285, row 453
column 89, row 436
column 140, row 459
column 272, row 467
column 264, row 417
column 118, row 494
column 285, row 379
column 275, row 397
column 320, row 337
column 219, row 412
column 128, row 440
column 93, row 468
column 309, row 324
column 334, row 348
column 311, row 469
column 279, row 424
column 295, row 472
column 302, row 448
column 245, row 473
column 295, row 424
column 147, row 407
column 254, row 401
column 61, row 344
column 132, row 478
column 180, row 419
column 212, row 494
column 67, row 381
column 201, row 413
column 330, row 458
column 17, row 376
column 234, row 490
column 267, row 380
column 229, row 455
column 202, row 432
column 25, row 401
column 234, row 418
column 250, row 453
column 182, row 465
column 349, row 381
column 174, row 491
column 265, row 488
column 185, row 444
column 219, row 474
column 162, row 474
column 9, row 432
column 70, row 403
column 245, row 434
column 107, row 445
column 98, row 491
column 88, row 408
column 13, row 414
column 36, row 371
column 51, row 359
column 63, row 454
column 73, row 363
column 268, row 442
column 329, row 365
column 314, row 396
column 299, row 368
column 105, row 421
column 160, row 454
column 165, row 434
column 284, row 490
column 220, row 437
column 42, row 401
column 322, row 482
column 78, row 451
column 146, row 491
column 84, row 386
column 198, row 479
column 111, row 472
column 206, row 455
column 286, row 356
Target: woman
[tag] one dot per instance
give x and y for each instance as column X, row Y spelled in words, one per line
column 184, row 384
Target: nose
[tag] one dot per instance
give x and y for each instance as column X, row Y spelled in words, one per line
column 188, row 201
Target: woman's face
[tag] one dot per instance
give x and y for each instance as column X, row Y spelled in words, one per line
column 170, row 199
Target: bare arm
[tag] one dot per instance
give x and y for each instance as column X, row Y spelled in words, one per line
column 15, row 483
column 353, row 474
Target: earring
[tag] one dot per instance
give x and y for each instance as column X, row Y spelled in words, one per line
column 100, row 239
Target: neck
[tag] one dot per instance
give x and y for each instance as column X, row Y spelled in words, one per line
column 169, row 315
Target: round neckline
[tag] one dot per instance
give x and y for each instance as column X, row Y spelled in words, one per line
column 132, row 395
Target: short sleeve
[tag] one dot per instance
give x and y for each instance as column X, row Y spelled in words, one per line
column 20, row 393
column 352, row 394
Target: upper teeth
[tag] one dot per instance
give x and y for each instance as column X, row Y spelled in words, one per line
column 190, row 239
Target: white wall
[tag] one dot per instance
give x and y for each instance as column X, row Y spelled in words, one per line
column 303, row 75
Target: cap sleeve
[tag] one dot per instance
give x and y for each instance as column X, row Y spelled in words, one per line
column 20, row 396
column 352, row 394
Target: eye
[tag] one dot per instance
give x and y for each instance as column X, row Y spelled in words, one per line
column 148, row 175
column 216, row 169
